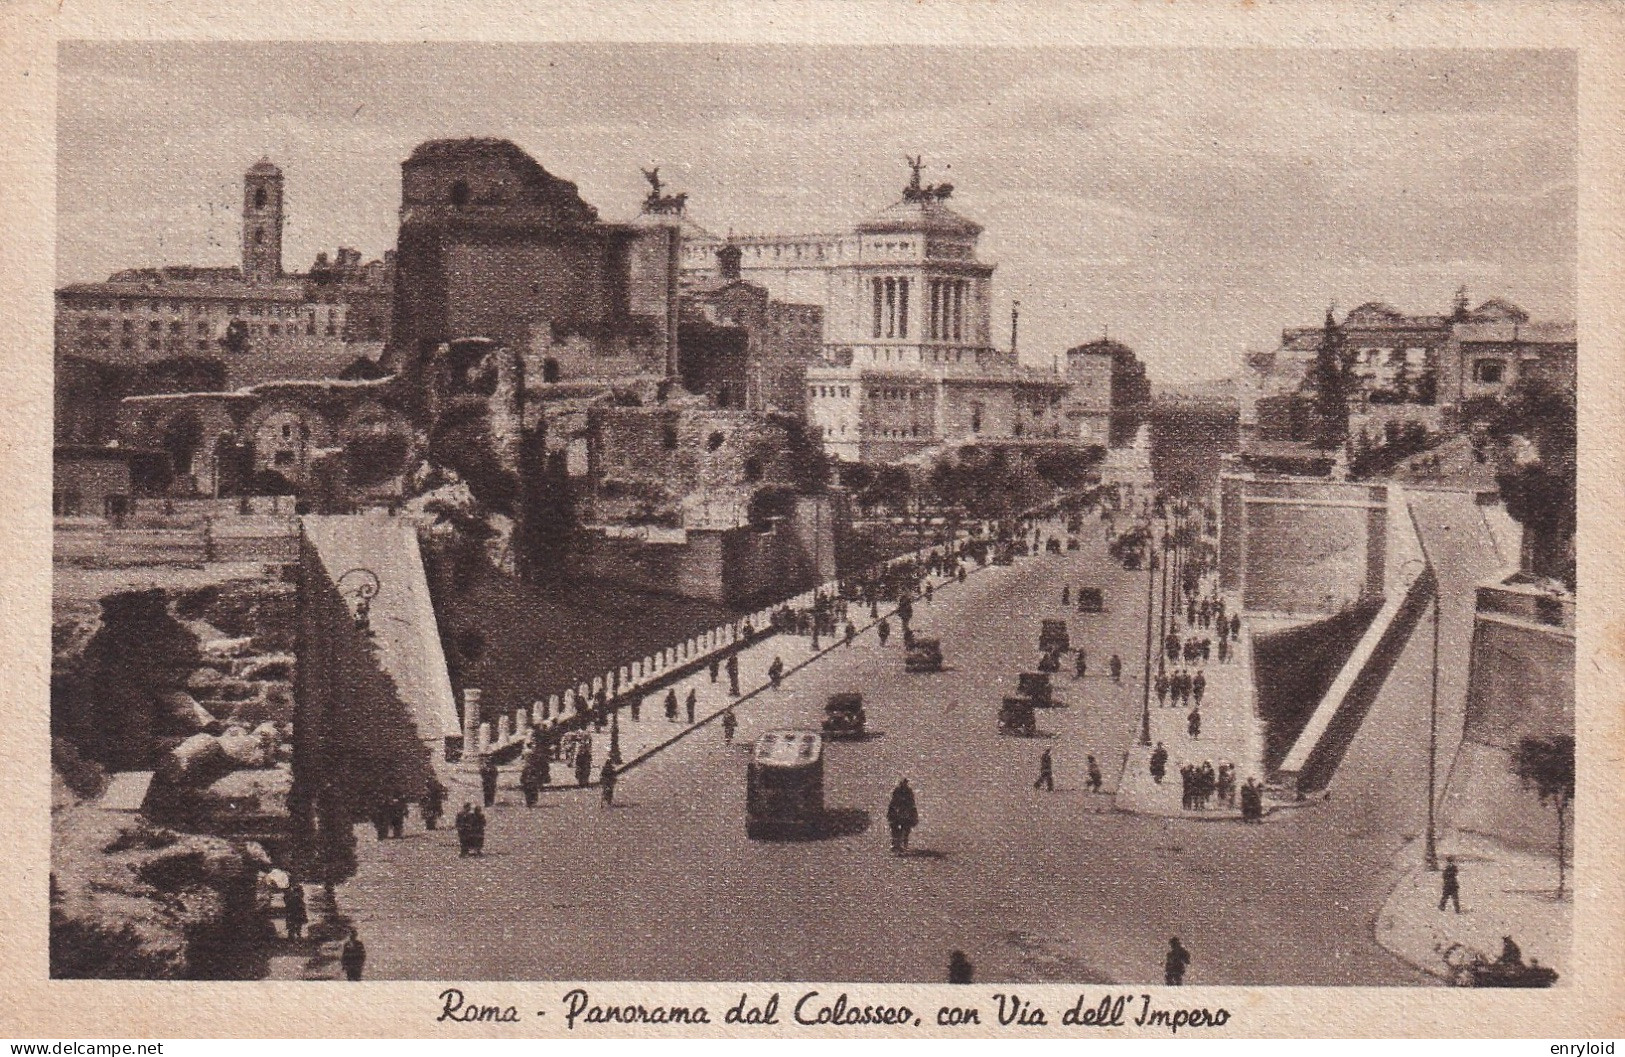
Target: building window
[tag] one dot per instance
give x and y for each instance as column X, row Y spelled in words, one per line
column 203, row 328
column 846, row 391
column 902, row 308
column 1490, row 372
column 175, row 327
column 259, row 198
column 275, row 330
column 879, row 292
column 153, row 326
column 129, row 326
column 891, row 309
column 259, row 236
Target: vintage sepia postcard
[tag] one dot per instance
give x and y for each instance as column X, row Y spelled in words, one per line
column 871, row 520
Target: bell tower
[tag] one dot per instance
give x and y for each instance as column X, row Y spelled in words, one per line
column 262, row 222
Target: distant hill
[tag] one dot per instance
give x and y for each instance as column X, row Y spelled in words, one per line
column 1208, row 391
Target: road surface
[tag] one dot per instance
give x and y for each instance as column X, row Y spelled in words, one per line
column 1033, row 886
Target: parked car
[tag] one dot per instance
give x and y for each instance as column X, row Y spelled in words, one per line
column 1036, row 687
column 844, row 716
column 1016, row 717
column 1052, row 637
column 923, row 655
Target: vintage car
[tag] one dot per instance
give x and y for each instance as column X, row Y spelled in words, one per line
column 1091, row 600
column 923, row 655
column 1036, row 687
column 1016, row 717
column 844, row 716
column 1052, row 637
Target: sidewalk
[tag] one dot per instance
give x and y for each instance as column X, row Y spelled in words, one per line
column 651, row 732
column 1231, row 731
column 1503, row 893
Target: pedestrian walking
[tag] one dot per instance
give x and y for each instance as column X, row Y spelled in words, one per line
column 527, row 779
column 733, row 674
column 433, row 804
column 397, row 816
column 1081, row 668
column 729, row 723
column 884, row 630
column 671, row 705
column 713, row 669
column 960, row 970
column 1235, row 626
column 1451, row 890
column 1198, row 686
column 1066, row 594
column 1094, row 775
column 476, row 831
column 1116, row 666
column 294, row 915
column 775, row 672
column 464, row 822
column 1046, row 772
column 1161, row 686
column 1175, row 964
column 929, row 591
column 1159, row 763
column 690, row 701
column 851, row 633
column 1193, row 725
column 606, row 780
column 354, row 956
column 902, row 815
column 488, row 778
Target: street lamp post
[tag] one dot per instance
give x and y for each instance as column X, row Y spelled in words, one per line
column 1431, row 852
column 1430, row 846
column 1145, row 681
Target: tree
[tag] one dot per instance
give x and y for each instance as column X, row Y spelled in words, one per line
column 1548, row 765
column 1329, row 379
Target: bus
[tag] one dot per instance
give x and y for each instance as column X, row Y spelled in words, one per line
column 784, row 784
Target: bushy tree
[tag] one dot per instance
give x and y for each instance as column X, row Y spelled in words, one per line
column 1547, row 764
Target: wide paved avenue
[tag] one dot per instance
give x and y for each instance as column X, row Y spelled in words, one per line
column 1032, row 885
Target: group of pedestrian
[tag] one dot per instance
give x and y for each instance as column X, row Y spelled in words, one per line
column 389, row 817
column 470, row 831
column 1179, row 688
column 1202, row 783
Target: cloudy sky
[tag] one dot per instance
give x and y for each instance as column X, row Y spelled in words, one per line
column 1194, row 202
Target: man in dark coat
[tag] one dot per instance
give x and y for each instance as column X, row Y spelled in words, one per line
column 775, row 672
column 733, row 674
column 1194, row 723
column 671, row 705
column 729, row 724
column 902, row 815
column 1451, row 890
column 1080, row 667
column 433, row 804
column 1046, row 772
column 960, row 970
column 690, row 701
column 606, row 780
column 1174, row 965
column 884, row 631
column 488, row 779
column 583, row 767
column 476, row 831
column 294, row 914
column 1116, row 666
column 1094, row 775
column 1159, row 763
column 465, row 830
column 527, row 778
column 354, row 956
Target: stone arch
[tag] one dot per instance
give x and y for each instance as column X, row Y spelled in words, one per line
column 285, row 434
column 190, row 432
